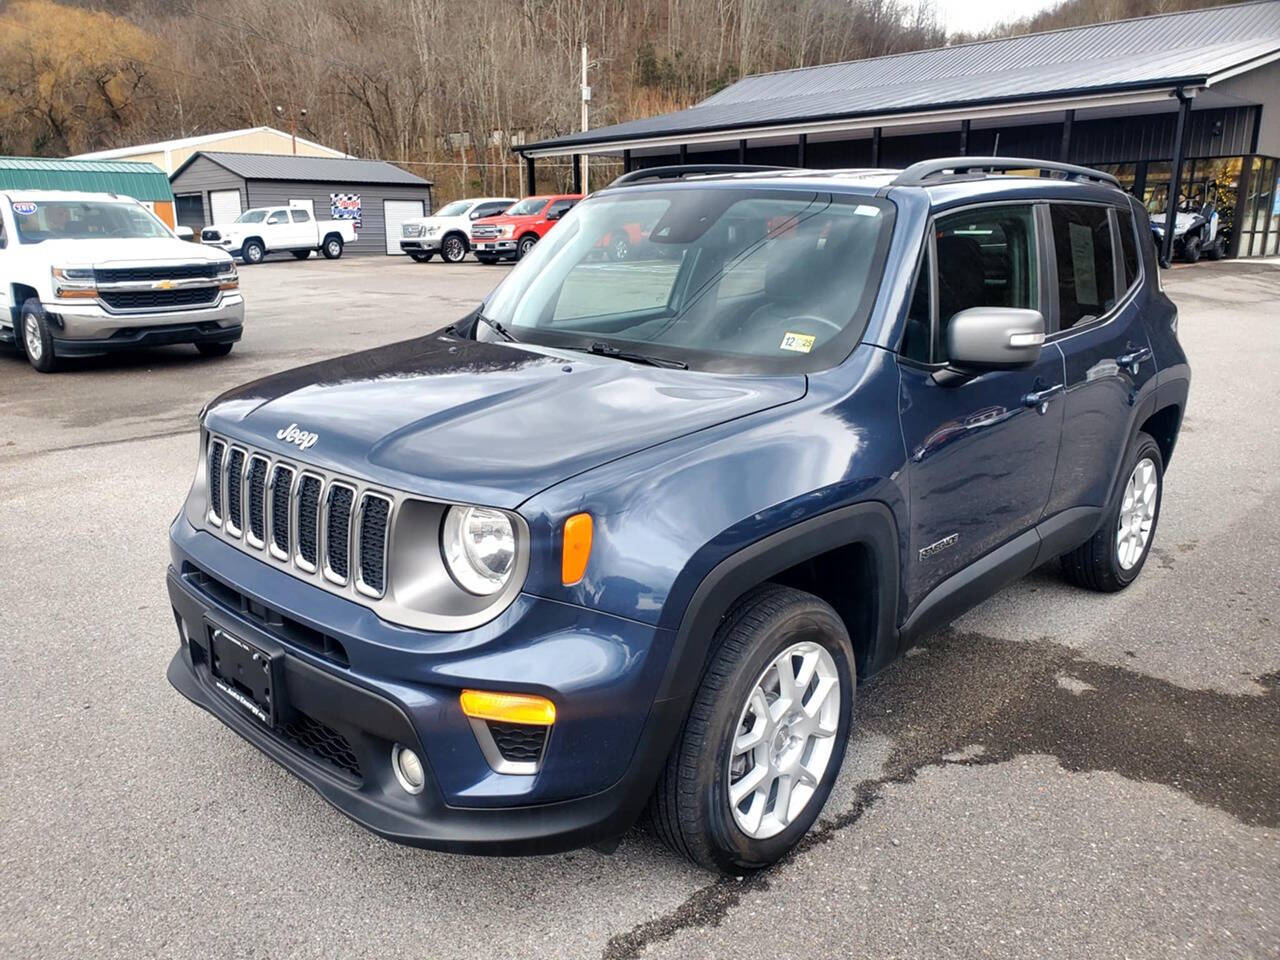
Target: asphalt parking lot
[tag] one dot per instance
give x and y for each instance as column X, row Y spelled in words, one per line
column 1059, row 774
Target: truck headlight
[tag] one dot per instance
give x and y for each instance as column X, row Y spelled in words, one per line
column 479, row 548
column 228, row 276
column 70, row 283
column 508, row 230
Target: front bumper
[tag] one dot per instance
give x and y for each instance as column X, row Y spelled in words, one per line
column 420, row 245
column 498, row 247
column 392, row 685
column 93, row 327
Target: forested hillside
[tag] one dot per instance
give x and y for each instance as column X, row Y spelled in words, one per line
column 441, row 86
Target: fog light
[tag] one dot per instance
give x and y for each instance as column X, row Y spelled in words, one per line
column 408, row 769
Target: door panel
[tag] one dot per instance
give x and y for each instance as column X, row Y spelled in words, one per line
column 224, row 205
column 981, row 464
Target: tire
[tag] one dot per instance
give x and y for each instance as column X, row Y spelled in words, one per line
column 1098, row 564
column 691, row 809
column 526, row 244
column 453, row 249
column 486, row 259
column 253, row 251
column 1216, row 250
column 214, row 349
column 1191, row 250
column 332, row 247
column 301, row 254
column 34, row 338
column 421, row 257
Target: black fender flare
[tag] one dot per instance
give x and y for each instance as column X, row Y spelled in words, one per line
column 870, row 523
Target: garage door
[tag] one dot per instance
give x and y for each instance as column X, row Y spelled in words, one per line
column 394, row 214
column 224, row 205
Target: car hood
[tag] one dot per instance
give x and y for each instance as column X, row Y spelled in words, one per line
column 103, row 253
column 486, row 423
column 504, row 219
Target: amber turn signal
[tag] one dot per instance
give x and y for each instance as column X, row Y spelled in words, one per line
column 508, row 707
column 577, row 548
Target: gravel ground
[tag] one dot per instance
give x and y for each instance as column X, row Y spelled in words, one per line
column 1058, row 774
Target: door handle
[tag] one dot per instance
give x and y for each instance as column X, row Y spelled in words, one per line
column 1134, row 359
column 1040, row 398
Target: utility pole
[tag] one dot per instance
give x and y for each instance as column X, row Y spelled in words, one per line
column 586, row 99
column 293, row 123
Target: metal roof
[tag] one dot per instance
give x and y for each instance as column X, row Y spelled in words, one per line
column 268, row 166
column 142, row 181
column 183, row 142
column 1151, row 52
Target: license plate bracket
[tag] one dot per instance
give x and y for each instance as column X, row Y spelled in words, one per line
column 247, row 674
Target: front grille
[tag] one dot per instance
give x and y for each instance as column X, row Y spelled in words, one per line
column 235, row 499
column 208, row 234
column 174, row 271
column 337, row 532
column 325, row 527
column 486, row 231
column 412, row 230
column 324, row 743
column 519, row 742
column 147, row 299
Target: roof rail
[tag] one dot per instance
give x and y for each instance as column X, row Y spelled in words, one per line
column 680, row 171
column 919, row 174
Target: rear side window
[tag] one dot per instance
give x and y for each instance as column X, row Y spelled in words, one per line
column 300, row 216
column 1086, row 263
column 986, row 258
column 1128, row 247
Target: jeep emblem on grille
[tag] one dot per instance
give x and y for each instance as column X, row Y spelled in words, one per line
column 291, row 434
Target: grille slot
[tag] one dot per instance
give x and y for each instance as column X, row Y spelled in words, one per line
column 324, row 743
column 518, row 742
column 173, row 271
column 145, row 299
column 281, row 499
column 309, row 522
column 217, row 451
column 256, row 479
column 375, row 517
column 235, row 491
column 337, row 532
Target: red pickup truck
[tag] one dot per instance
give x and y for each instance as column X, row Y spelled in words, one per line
column 510, row 235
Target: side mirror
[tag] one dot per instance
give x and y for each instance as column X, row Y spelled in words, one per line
column 994, row 338
column 184, row 233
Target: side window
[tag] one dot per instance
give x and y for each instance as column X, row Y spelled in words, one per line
column 493, row 209
column 300, row 216
column 4, row 237
column 917, row 335
column 278, row 216
column 560, row 208
column 986, row 258
column 1086, row 262
column 1128, row 247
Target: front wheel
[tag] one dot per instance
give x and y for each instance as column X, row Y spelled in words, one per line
column 1113, row 557
column 453, row 249
column 332, row 247
column 35, row 337
column 526, row 244
column 253, row 252
column 421, row 257
column 765, row 736
column 1216, row 250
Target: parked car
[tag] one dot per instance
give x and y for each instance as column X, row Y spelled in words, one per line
column 1195, row 229
column 628, row 535
column 511, row 235
column 447, row 231
column 88, row 273
column 262, row 230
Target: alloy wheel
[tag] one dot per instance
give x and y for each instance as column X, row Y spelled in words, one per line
column 784, row 740
column 1137, row 514
column 453, row 251
column 31, row 337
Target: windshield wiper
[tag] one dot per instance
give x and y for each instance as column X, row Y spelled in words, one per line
column 608, row 350
column 493, row 325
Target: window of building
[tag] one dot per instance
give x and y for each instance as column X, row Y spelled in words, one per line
column 1085, row 261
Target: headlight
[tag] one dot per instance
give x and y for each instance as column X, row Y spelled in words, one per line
column 479, row 547
column 74, row 282
column 228, row 276
column 508, row 230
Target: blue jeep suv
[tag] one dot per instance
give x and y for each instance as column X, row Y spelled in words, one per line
column 625, row 538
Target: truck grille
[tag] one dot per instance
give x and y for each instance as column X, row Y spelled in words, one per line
column 299, row 518
column 411, row 230
column 147, row 299
column 486, row 231
column 173, row 271
column 210, row 234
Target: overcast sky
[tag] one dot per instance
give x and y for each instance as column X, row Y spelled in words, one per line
column 971, row 16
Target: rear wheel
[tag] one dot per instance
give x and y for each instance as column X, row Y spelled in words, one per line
column 1216, row 250
column 1113, row 557
column 214, row 349
column 453, row 249
column 35, row 338
column 765, row 736
column 332, row 247
column 301, row 254
column 253, row 251
column 421, row 257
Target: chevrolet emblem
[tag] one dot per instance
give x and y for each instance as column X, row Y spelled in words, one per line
column 162, row 285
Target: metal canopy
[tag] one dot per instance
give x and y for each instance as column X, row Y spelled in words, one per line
column 142, row 181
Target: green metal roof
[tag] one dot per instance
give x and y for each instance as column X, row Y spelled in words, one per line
column 142, row 181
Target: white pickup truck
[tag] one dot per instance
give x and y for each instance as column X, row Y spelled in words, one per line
column 88, row 273
column 263, row 230
column 448, row 230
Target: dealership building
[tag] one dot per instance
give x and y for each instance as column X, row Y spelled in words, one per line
column 1177, row 105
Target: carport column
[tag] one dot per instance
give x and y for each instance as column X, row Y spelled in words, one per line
column 684, row 154
column 530, row 181
column 1064, row 153
column 742, row 151
column 1175, row 176
column 801, row 145
column 875, row 146
column 964, row 137
column 577, row 174
column 626, row 161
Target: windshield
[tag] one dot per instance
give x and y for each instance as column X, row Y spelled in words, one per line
column 527, row 207
column 718, row 277
column 42, row 220
column 252, row 216
column 455, row 209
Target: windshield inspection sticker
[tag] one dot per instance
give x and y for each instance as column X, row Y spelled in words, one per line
column 24, row 207
column 799, row 342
